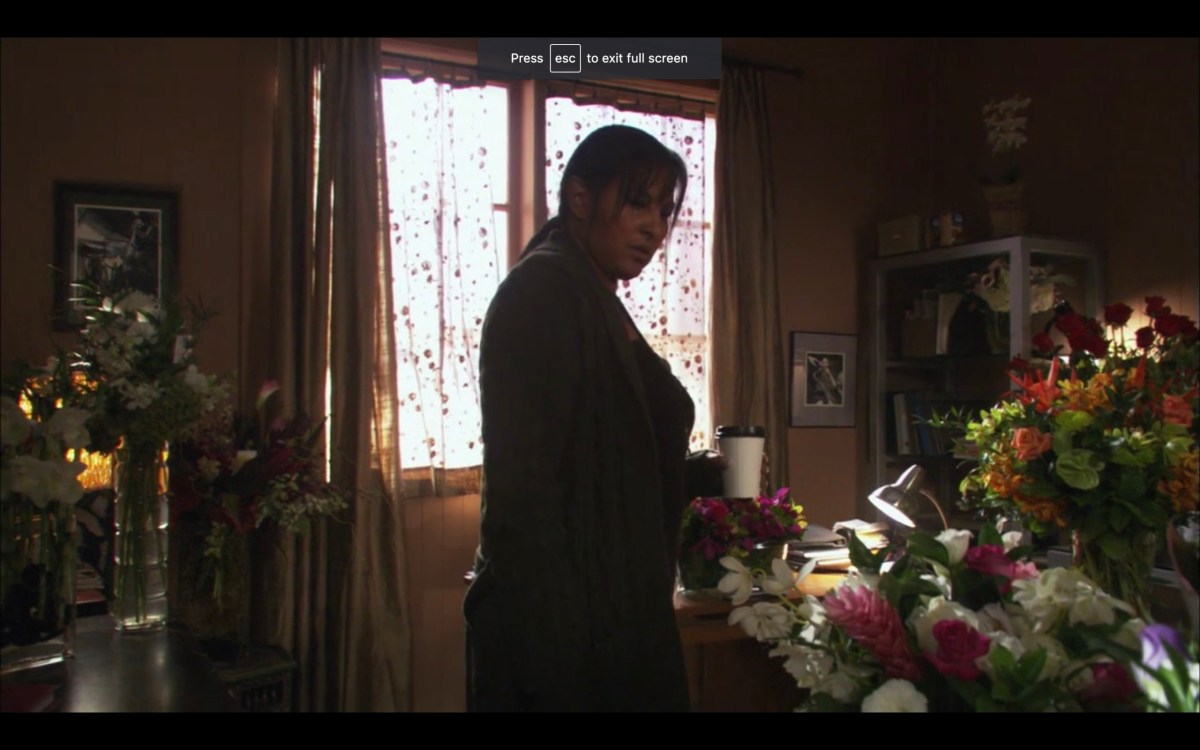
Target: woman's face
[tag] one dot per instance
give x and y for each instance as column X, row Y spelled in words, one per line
column 623, row 240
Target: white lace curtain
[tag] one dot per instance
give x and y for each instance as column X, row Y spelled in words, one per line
column 446, row 175
column 669, row 301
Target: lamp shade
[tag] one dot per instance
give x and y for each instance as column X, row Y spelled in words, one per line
column 905, row 491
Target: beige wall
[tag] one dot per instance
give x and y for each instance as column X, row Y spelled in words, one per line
column 188, row 114
column 848, row 136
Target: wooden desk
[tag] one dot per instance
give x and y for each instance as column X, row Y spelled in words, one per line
column 728, row 670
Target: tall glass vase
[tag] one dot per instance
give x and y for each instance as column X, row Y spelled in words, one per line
column 1127, row 578
column 140, row 544
column 37, row 582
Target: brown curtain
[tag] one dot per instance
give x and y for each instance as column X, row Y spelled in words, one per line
column 336, row 598
column 749, row 379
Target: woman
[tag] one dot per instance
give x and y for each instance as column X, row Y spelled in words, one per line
column 585, row 436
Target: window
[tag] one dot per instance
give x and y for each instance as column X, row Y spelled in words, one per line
column 450, row 209
column 669, row 300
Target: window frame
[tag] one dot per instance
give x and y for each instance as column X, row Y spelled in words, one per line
column 454, row 61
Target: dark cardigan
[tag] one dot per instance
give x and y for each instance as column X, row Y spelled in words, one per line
column 572, row 607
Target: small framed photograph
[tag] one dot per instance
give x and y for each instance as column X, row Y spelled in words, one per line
column 823, row 387
column 112, row 238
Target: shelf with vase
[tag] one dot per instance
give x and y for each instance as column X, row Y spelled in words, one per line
column 966, row 369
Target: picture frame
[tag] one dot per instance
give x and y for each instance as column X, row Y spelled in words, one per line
column 823, row 388
column 116, row 236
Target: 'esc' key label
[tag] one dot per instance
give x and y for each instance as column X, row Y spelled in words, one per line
column 566, row 58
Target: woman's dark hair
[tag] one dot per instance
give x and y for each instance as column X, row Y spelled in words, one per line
column 626, row 155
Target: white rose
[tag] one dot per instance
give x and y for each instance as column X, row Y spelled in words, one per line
column 1012, row 540
column 896, row 696
column 956, row 543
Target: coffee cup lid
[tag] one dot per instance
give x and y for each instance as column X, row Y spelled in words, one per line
column 741, row 430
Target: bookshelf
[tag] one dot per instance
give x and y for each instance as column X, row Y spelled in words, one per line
column 930, row 349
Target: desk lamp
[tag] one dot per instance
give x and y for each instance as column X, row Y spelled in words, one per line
column 905, row 491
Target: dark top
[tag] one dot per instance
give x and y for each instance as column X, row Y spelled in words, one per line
column 672, row 415
column 572, row 604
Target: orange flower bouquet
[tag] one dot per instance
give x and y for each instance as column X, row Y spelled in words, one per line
column 1100, row 442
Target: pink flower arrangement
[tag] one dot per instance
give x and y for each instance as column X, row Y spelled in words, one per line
column 718, row 526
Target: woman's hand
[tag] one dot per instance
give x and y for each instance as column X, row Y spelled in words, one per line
column 704, row 469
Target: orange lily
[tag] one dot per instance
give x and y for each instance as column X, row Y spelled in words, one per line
column 1036, row 390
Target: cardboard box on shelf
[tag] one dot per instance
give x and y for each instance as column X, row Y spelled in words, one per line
column 901, row 235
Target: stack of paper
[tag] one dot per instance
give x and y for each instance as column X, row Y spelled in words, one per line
column 831, row 547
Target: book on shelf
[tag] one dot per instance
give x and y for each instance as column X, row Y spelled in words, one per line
column 905, row 444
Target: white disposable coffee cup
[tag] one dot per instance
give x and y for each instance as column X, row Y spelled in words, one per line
column 742, row 445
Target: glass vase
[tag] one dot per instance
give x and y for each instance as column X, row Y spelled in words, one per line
column 213, row 595
column 140, row 543
column 1127, row 578
column 37, row 626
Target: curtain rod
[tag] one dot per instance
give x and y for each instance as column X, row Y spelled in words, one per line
column 696, row 95
column 791, row 71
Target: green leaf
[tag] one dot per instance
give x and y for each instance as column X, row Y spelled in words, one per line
column 862, row 558
column 989, row 534
column 1080, row 468
column 1132, row 486
column 1094, row 525
column 1030, row 667
column 1119, row 517
column 1114, row 546
column 1062, row 442
column 1003, row 662
column 927, row 546
column 1072, row 421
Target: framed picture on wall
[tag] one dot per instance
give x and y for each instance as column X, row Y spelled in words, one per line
column 823, row 379
column 113, row 238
